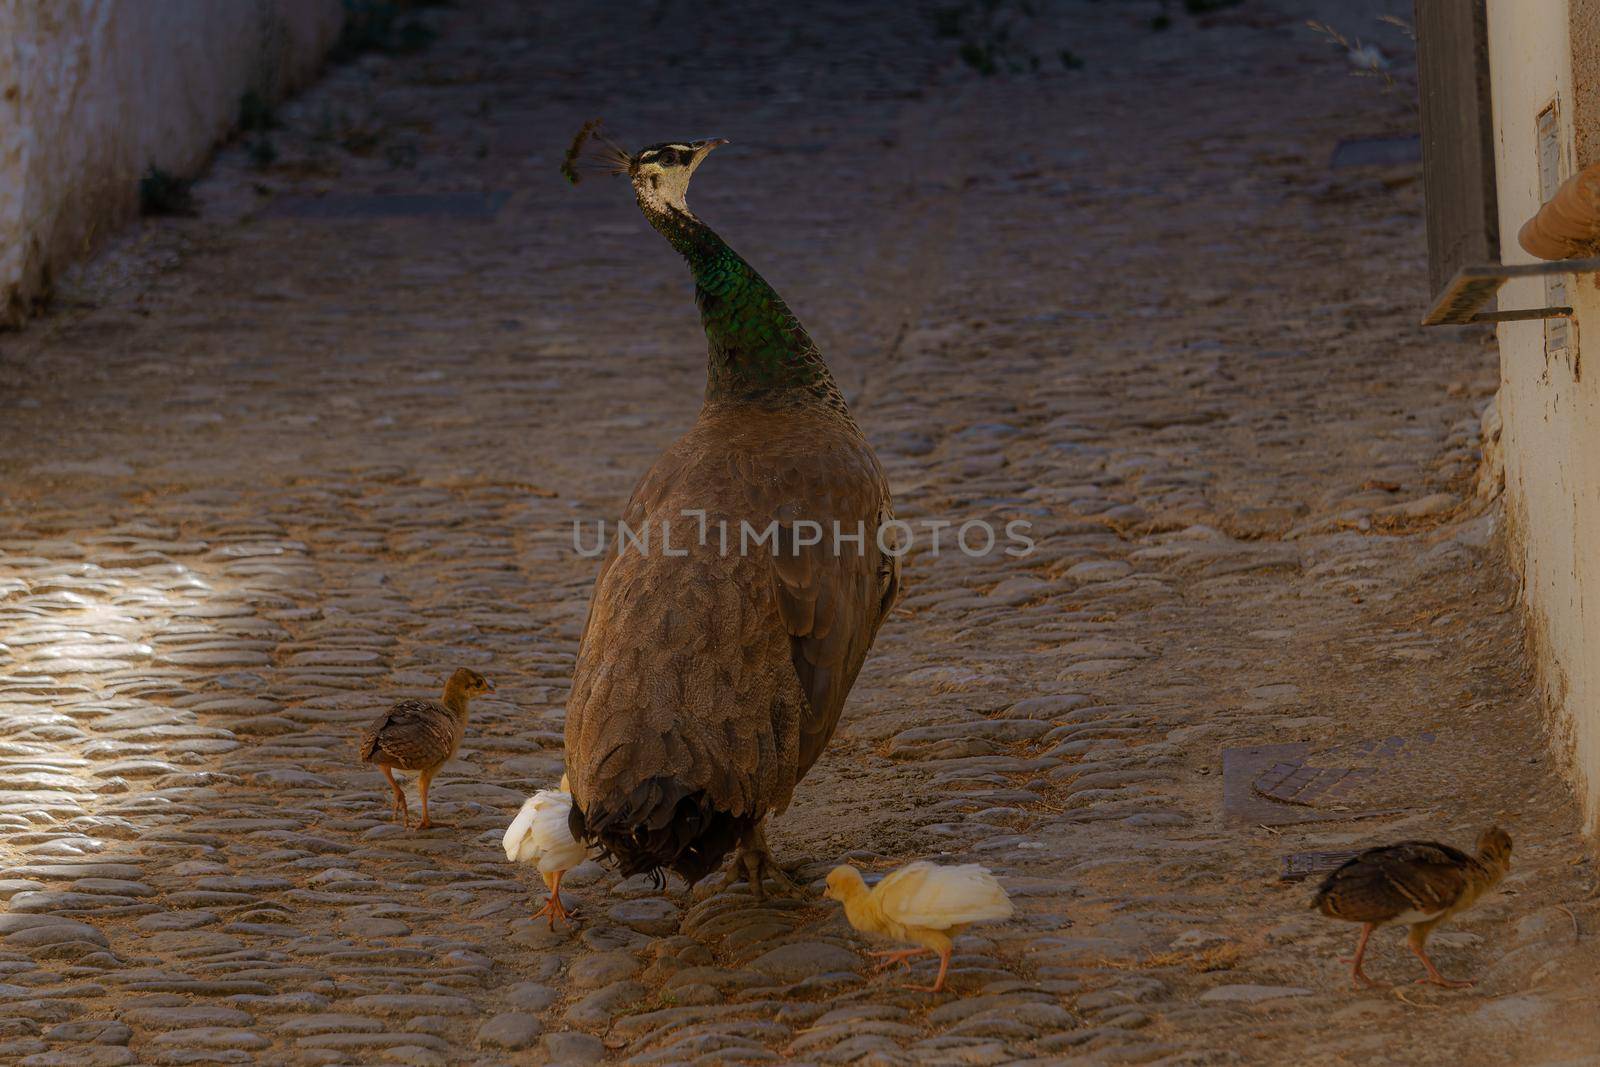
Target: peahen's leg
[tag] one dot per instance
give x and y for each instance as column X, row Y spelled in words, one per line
column 755, row 863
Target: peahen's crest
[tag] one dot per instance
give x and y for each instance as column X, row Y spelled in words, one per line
column 593, row 150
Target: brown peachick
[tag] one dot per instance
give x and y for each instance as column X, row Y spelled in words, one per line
column 1417, row 883
column 717, row 656
column 421, row 736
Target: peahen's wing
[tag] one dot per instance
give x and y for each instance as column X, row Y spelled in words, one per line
column 834, row 584
column 924, row 894
column 683, row 685
column 718, row 666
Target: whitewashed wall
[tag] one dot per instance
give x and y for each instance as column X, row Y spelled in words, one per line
column 92, row 92
column 1549, row 403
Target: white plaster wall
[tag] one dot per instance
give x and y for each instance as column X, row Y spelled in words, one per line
column 1550, row 408
column 92, row 92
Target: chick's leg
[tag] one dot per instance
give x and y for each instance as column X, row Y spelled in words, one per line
column 1417, row 939
column 756, row 862
column 553, row 908
column 1358, row 978
column 893, row 956
column 423, row 779
column 399, row 806
column 943, row 947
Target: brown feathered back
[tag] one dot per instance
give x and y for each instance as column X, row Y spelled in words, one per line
column 708, row 683
column 412, row 735
column 1412, row 880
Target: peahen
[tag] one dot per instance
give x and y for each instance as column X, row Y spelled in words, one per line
column 709, row 682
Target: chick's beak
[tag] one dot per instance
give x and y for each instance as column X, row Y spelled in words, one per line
column 703, row 148
column 488, row 685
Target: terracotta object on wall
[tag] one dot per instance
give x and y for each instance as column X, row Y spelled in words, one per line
column 1568, row 225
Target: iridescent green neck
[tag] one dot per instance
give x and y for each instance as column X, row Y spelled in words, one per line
column 758, row 351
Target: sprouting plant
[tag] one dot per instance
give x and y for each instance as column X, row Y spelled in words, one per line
column 379, row 26
column 569, row 168
column 262, row 152
column 1366, row 60
column 1397, row 70
column 980, row 58
column 1401, row 24
column 947, row 21
column 164, row 193
column 256, row 113
column 985, row 29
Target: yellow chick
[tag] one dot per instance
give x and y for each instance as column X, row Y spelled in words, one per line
column 923, row 903
column 539, row 835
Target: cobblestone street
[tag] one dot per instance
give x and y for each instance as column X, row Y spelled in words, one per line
column 266, row 470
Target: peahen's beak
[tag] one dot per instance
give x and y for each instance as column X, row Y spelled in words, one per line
column 702, row 149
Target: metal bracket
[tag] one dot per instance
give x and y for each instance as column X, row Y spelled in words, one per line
column 1475, row 286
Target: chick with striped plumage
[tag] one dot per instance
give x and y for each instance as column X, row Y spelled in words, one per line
column 540, row 835
column 421, row 736
column 922, row 903
column 1417, row 883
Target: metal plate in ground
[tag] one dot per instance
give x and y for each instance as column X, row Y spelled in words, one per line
column 1240, row 769
column 1346, row 776
column 1285, row 768
column 1298, row 866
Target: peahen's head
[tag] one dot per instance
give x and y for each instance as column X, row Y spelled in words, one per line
column 660, row 172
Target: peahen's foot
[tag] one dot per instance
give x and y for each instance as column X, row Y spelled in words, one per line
column 755, row 863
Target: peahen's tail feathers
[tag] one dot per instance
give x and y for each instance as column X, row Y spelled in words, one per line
column 661, row 824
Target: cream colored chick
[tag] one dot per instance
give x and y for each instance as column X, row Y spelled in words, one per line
column 923, row 903
column 539, row 835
